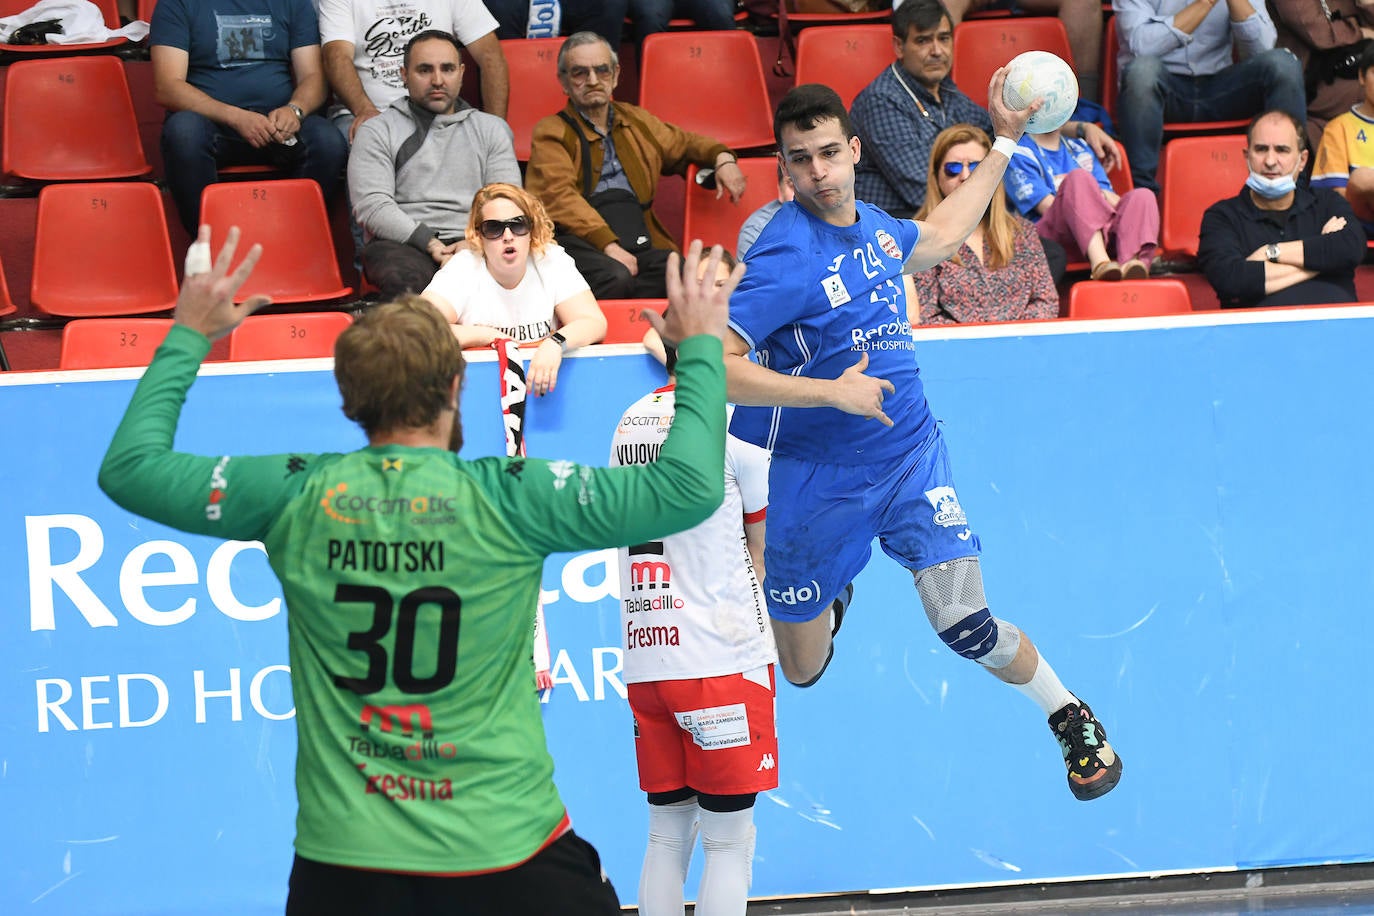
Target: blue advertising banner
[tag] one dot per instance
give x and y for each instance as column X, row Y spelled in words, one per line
column 1178, row 513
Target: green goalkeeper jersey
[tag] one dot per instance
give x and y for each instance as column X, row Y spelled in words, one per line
column 411, row 578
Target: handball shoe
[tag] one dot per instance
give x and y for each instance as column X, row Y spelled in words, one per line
column 1094, row 768
column 837, row 609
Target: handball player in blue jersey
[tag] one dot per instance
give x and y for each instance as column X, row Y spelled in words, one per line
column 836, row 395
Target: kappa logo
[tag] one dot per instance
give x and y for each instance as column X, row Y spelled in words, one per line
column 888, row 244
column 218, row 484
column 948, row 512
column 835, row 290
column 561, row 471
column 767, row 763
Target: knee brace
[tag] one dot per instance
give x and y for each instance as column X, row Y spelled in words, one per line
column 952, row 593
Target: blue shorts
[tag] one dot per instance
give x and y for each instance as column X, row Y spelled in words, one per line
column 822, row 519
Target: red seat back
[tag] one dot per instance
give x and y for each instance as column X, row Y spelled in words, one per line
column 1194, row 173
column 300, row 336
column 983, row 45
column 844, row 57
column 624, row 323
column 111, row 343
column 1129, row 298
column 709, row 83
column 536, row 93
column 717, row 222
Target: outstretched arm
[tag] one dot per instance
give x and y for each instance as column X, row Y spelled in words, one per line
column 956, row 216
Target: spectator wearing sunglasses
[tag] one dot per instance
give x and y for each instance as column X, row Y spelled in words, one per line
column 414, row 169
column 1059, row 184
column 1000, row 272
column 513, row 281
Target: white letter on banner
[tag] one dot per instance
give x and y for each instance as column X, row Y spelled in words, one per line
column 46, row 705
column 44, row 574
column 222, row 591
column 564, row 673
column 125, row 720
column 133, row 579
column 232, row 693
column 575, row 584
column 88, row 702
column 255, row 693
column 604, row 675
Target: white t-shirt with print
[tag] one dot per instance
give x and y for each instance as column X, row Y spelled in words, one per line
column 691, row 606
column 523, row 314
column 379, row 30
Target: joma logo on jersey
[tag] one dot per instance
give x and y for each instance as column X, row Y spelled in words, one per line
column 411, row 718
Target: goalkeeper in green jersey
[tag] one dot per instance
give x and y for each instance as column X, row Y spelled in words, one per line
column 411, row 576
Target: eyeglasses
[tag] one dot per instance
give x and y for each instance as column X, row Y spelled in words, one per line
column 955, row 169
column 495, row 228
column 582, row 74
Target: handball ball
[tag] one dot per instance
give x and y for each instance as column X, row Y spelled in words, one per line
column 1040, row 74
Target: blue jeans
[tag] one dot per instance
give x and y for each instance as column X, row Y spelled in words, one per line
column 194, row 147
column 652, row 15
column 1151, row 95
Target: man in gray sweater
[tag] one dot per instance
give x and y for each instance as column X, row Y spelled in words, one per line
column 415, row 167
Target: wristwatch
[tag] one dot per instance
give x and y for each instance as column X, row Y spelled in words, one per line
column 1271, row 252
column 558, row 338
column 296, row 110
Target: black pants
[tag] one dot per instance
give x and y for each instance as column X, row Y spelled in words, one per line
column 609, row 279
column 397, row 268
column 565, row 878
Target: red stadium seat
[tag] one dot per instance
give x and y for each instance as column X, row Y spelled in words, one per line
column 983, row 45
column 7, row 306
column 109, row 10
column 717, row 222
column 1194, row 173
column 288, row 219
column 844, row 57
column 71, row 119
column 301, row 336
column 537, row 93
column 624, row 323
column 709, row 83
column 1129, row 298
column 101, row 250
column 111, row 343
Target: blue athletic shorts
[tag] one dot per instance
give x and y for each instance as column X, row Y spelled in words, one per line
column 822, row 519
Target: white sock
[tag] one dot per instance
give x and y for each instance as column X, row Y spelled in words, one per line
column 1046, row 690
column 728, row 841
column 672, row 834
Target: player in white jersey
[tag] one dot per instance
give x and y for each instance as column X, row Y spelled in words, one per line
column 699, row 657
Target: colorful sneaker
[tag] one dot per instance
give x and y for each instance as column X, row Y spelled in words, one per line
column 1094, row 768
column 837, row 609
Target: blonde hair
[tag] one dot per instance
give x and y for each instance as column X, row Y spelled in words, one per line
column 395, row 366
column 541, row 227
column 999, row 228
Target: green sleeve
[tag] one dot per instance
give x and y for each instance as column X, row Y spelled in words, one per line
column 237, row 498
column 561, row 506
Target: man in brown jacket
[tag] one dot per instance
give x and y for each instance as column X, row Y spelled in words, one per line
column 596, row 165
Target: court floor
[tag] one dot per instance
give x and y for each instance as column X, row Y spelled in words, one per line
column 1309, row 891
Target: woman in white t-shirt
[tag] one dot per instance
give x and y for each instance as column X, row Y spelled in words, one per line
column 513, row 281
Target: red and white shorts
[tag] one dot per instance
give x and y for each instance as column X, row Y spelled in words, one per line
column 717, row 735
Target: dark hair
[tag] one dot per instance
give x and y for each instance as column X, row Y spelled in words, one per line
column 395, row 366
column 726, row 258
column 1280, row 113
column 807, row 105
column 1366, row 59
column 430, row 35
column 919, row 15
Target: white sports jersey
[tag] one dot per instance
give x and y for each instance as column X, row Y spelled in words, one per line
column 690, row 605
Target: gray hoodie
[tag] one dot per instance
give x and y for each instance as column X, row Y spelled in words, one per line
column 412, row 175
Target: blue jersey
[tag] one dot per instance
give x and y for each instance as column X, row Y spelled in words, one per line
column 816, row 298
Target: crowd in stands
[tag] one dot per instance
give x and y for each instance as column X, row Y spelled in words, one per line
column 372, row 92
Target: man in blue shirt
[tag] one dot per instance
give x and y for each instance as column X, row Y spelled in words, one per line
column 1177, row 65
column 823, row 305
column 240, row 80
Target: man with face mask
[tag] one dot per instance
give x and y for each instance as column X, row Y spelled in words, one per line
column 1279, row 242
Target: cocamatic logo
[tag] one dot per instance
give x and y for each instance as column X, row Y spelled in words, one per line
column 348, row 508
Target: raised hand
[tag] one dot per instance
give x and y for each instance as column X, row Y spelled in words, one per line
column 695, row 305
column 206, row 303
